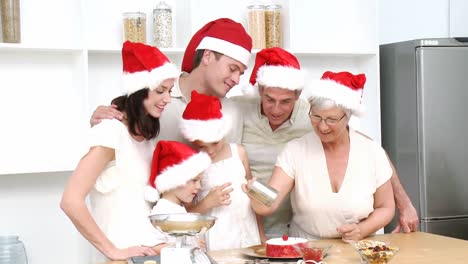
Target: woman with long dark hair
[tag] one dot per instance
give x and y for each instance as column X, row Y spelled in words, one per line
column 116, row 168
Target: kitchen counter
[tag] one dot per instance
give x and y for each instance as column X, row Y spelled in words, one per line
column 415, row 248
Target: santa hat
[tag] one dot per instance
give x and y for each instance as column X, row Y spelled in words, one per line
column 222, row 35
column 203, row 120
column 344, row 88
column 144, row 67
column 174, row 164
column 275, row 67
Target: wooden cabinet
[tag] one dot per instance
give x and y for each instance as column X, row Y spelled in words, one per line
column 69, row 62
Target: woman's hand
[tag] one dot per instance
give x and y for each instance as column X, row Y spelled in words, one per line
column 137, row 251
column 201, row 244
column 350, row 232
column 105, row 112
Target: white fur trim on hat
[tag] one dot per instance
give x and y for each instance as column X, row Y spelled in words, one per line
column 151, row 194
column 340, row 94
column 280, row 76
column 178, row 175
column 250, row 90
column 133, row 82
column 207, row 131
column 227, row 48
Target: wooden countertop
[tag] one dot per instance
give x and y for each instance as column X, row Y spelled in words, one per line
column 415, row 248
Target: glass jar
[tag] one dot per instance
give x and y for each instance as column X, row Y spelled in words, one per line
column 256, row 25
column 162, row 25
column 11, row 25
column 273, row 26
column 12, row 250
column 134, row 24
column 262, row 192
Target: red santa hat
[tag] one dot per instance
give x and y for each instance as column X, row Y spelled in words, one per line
column 144, row 67
column 344, row 88
column 174, row 164
column 275, row 67
column 221, row 35
column 203, row 119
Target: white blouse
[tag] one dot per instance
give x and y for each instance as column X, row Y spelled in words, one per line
column 117, row 199
column 317, row 210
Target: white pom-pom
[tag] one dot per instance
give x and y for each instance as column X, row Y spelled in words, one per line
column 151, row 194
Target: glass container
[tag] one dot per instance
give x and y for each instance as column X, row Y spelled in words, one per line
column 162, row 25
column 256, row 25
column 273, row 26
column 134, row 24
column 11, row 22
column 12, row 250
column 262, row 193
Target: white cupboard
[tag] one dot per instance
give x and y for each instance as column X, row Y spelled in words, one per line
column 69, row 62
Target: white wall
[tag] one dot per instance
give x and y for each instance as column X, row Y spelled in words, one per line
column 401, row 20
column 29, row 203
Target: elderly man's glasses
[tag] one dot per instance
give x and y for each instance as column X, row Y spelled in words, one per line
column 329, row 121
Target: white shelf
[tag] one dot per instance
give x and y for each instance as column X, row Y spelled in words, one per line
column 23, row 47
column 117, row 50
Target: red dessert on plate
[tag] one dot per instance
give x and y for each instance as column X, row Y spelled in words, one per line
column 285, row 247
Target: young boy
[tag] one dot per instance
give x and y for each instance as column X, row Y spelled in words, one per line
column 176, row 173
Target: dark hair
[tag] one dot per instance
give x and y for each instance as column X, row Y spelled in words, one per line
column 140, row 123
column 199, row 55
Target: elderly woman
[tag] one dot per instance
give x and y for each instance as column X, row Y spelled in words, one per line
column 339, row 180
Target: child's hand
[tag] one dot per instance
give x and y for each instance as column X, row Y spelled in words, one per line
column 246, row 186
column 219, row 195
column 202, row 244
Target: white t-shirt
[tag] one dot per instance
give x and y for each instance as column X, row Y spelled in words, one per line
column 317, row 211
column 164, row 206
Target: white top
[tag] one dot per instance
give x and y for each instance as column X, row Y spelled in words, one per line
column 164, row 206
column 117, row 199
column 317, row 211
column 238, row 218
column 263, row 146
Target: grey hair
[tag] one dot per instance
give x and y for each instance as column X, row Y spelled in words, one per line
column 325, row 103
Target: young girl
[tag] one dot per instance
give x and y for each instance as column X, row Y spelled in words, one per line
column 115, row 170
column 204, row 125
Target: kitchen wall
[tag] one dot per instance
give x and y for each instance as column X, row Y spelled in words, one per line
column 401, row 20
column 29, row 203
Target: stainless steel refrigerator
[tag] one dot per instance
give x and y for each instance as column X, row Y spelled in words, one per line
column 424, row 108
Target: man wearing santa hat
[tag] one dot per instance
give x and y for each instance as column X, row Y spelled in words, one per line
column 215, row 58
